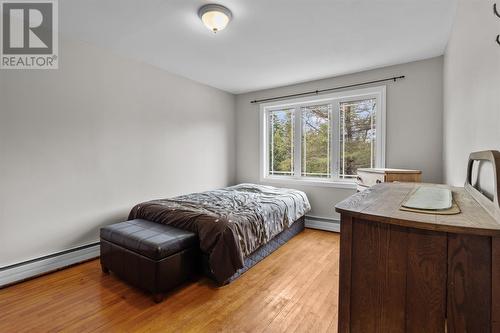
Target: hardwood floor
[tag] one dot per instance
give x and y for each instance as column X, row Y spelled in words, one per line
column 293, row 290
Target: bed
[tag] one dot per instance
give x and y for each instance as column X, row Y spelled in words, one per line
column 237, row 226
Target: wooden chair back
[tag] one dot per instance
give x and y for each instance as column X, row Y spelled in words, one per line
column 491, row 206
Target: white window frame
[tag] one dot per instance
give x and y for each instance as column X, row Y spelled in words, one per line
column 379, row 93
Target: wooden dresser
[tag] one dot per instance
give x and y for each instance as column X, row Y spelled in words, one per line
column 367, row 177
column 402, row 271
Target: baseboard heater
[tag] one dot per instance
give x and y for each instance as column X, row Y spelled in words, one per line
column 31, row 268
column 321, row 223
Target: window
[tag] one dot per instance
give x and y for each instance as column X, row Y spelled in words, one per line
column 323, row 139
column 281, row 148
column 316, row 132
column 357, row 136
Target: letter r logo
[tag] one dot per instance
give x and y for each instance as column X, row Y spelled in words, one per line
column 27, row 27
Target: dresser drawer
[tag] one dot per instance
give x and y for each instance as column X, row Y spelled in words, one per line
column 369, row 178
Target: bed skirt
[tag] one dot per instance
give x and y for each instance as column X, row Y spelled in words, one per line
column 261, row 252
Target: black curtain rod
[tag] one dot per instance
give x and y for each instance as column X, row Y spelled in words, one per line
column 316, row 92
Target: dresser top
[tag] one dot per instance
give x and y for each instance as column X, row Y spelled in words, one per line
column 381, row 203
column 388, row 170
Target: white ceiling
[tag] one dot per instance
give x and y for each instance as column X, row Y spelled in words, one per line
column 269, row 43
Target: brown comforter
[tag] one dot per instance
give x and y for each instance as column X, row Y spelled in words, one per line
column 231, row 222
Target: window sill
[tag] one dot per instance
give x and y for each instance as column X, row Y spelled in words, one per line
column 310, row 182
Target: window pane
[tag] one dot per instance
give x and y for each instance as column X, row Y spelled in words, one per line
column 357, row 136
column 281, row 142
column 316, row 140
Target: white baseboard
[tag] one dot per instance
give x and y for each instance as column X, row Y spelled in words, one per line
column 322, row 223
column 28, row 269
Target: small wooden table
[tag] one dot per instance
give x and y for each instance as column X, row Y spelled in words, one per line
column 410, row 272
column 367, row 177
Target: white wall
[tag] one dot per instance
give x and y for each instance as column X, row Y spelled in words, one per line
column 471, row 87
column 79, row 146
column 414, row 126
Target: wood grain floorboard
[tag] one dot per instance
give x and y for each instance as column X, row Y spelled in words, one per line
column 293, row 290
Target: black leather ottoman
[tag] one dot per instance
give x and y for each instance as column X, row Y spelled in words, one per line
column 149, row 255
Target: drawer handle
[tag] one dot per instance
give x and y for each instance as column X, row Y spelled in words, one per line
column 379, row 181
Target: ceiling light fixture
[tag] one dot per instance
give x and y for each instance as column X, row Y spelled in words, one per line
column 215, row 17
